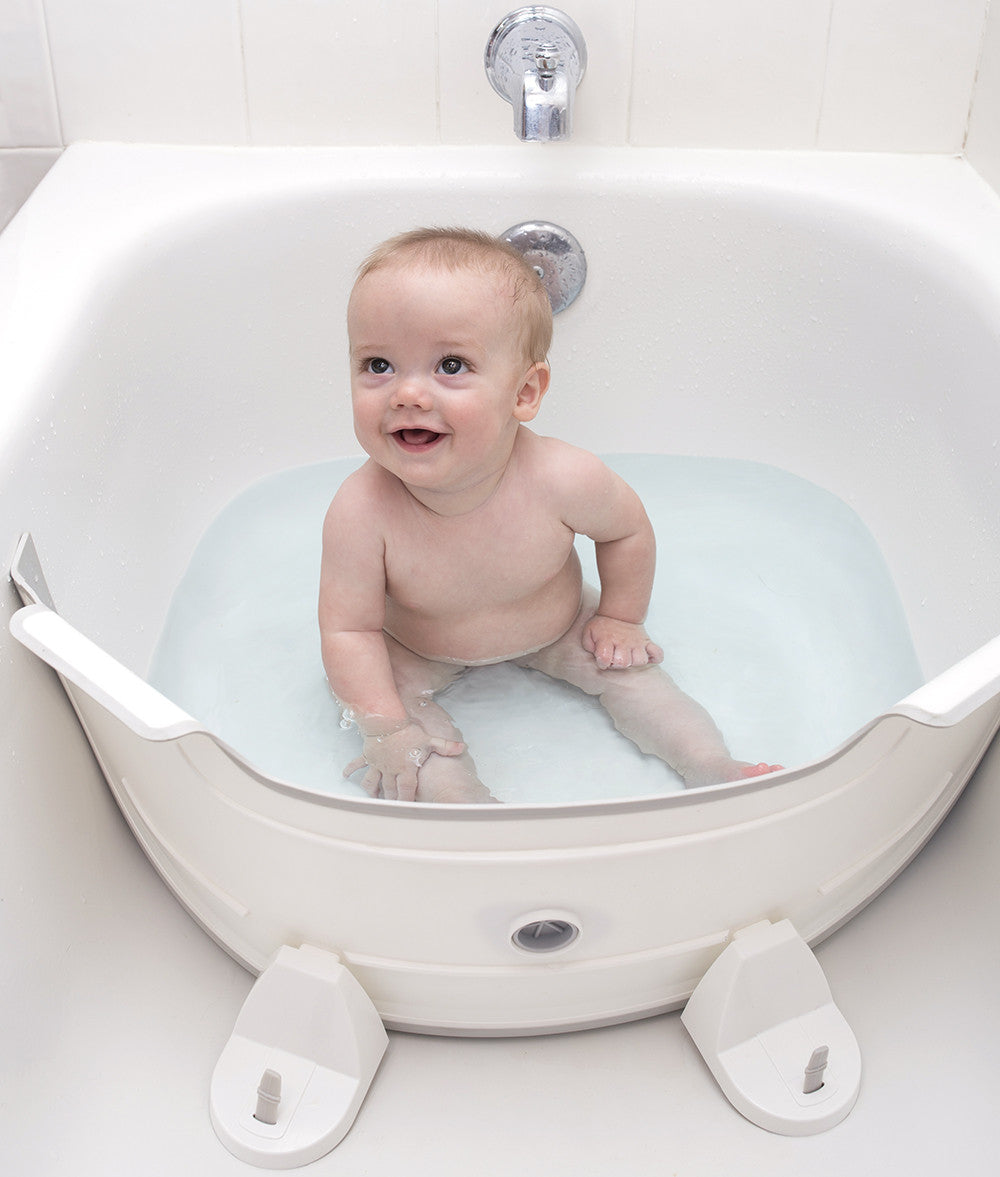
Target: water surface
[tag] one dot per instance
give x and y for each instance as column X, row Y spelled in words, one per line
column 772, row 601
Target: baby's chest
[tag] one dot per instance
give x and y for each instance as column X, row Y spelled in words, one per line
column 496, row 559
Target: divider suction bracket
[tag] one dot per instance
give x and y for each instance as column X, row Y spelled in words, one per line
column 766, row 1025
column 302, row 1055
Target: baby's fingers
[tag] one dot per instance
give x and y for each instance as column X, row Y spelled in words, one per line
column 446, row 747
column 603, row 649
column 648, row 654
column 406, row 783
column 609, row 656
column 399, row 788
column 371, row 782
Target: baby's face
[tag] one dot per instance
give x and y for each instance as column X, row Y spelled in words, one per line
column 438, row 374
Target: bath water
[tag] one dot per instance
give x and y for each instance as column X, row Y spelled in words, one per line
column 772, row 602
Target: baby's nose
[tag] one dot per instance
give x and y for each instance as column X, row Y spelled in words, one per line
column 412, row 391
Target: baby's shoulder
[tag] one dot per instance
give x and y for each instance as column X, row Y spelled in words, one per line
column 561, row 464
column 366, row 486
column 361, row 498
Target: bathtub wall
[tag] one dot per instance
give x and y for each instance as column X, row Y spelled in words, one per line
column 868, row 75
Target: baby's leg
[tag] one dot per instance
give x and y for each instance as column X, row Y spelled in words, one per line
column 647, row 706
column 418, row 680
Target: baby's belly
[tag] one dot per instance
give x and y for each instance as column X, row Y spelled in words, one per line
column 496, row 633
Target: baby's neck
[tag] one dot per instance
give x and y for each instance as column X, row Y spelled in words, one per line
column 455, row 502
column 450, row 504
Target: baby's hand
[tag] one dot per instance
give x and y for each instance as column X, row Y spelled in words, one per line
column 394, row 760
column 619, row 645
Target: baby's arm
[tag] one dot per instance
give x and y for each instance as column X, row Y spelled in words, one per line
column 355, row 657
column 607, row 509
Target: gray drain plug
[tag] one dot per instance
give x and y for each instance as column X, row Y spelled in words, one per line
column 555, row 255
column 545, row 935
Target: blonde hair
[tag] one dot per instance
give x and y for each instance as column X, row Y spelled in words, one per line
column 457, row 249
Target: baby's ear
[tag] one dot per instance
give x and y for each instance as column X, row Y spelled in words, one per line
column 533, row 388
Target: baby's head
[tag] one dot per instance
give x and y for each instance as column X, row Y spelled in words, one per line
column 454, row 250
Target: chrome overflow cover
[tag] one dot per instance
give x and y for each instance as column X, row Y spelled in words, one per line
column 555, row 255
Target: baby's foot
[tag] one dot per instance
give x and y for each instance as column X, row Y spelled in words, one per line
column 718, row 772
column 762, row 769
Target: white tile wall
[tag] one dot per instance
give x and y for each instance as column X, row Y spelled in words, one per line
column 731, row 73
column 28, row 113
column 894, row 75
column 159, row 70
column 983, row 142
column 900, row 73
column 322, row 71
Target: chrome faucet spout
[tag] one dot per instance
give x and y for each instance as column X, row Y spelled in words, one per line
column 535, row 59
column 546, row 111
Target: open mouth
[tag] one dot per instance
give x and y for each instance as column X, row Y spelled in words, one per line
column 417, row 440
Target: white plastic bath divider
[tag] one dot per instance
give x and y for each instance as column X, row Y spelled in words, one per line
column 762, row 1015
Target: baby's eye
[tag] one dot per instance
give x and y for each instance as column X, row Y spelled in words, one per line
column 452, row 366
column 378, row 366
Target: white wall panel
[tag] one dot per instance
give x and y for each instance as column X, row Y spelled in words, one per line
column 326, row 71
column 156, row 70
column 730, row 73
column 900, row 74
column 887, row 75
column 28, row 113
column 983, row 142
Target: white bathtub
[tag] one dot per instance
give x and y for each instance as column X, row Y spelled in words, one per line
column 172, row 330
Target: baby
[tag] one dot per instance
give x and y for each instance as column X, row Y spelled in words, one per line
column 452, row 546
